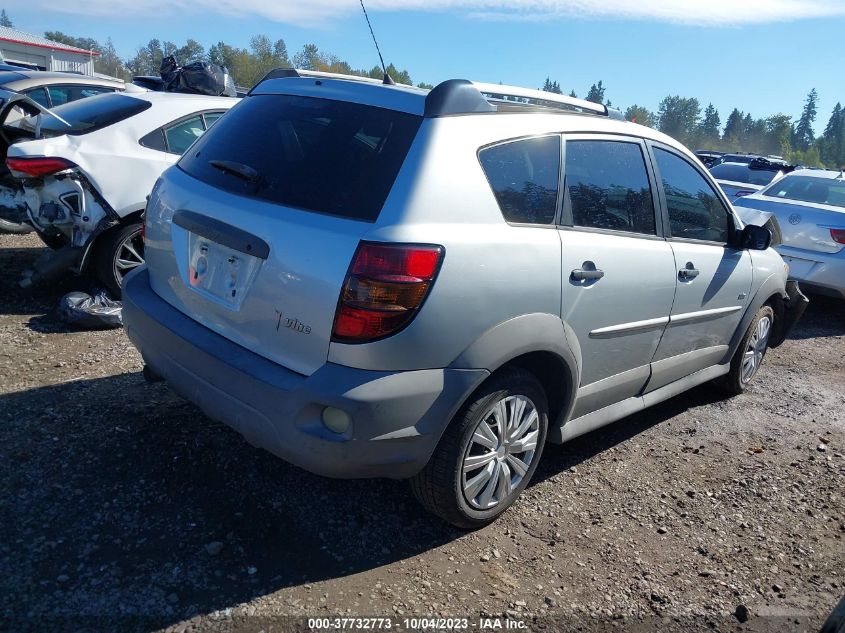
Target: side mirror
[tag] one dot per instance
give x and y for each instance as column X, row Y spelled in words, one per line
column 755, row 238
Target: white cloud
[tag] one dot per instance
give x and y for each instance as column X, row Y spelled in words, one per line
column 316, row 12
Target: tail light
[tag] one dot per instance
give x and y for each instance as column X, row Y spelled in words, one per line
column 383, row 290
column 838, row 235
column 37, row 167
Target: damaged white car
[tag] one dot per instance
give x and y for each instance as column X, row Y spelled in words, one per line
column 87, row 177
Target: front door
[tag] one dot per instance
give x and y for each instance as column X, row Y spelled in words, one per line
column 714, row 277
column 618, row 270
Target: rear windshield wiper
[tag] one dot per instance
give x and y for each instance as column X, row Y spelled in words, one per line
column 240, row 170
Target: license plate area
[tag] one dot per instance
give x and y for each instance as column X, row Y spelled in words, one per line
column 218, row 272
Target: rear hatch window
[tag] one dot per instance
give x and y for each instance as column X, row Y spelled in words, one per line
column 89, row 114
column 312, row 154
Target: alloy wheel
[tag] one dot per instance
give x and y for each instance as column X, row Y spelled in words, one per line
column 128, row 255
column 756, row 349
column 500, row 452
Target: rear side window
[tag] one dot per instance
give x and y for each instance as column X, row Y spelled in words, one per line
column 524, row 176
column 313, row 154
column 607, row 185
column 695, row 211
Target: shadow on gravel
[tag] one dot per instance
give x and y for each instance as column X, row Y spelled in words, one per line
column 120, row 499
column 824, row 316
column 557, row 458
column 38, row 299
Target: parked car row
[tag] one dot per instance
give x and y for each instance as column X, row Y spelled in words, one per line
column 82, row 156
column 803, row 208
column 739, row 179
column 46, row 89
column 809, row 208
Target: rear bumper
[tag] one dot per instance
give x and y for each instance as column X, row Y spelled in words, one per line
column 817, row 272
column 397, row 417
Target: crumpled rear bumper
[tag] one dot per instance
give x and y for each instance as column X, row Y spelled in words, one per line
column 793, row 309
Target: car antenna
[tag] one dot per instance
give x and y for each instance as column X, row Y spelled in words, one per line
column 387, row 80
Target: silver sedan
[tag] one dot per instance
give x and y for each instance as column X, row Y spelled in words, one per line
column 809, row 206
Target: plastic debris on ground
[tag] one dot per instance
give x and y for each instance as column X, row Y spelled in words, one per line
column 197, row 77
column 97, row 312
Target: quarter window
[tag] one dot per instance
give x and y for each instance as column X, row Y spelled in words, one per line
column 524, row 177
column 608, row 188
column 211, row 117
column 695, row 211
column 182, row 135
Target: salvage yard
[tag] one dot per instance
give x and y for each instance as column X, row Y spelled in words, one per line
column 123, row 507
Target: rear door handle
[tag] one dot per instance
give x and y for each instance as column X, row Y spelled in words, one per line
column 582, row 274
column 688, row 273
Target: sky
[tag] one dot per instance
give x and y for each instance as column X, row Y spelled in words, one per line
column 761, row 56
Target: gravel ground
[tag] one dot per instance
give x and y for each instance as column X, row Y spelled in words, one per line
column 122, row 507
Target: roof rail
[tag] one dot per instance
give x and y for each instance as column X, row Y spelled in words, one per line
column 528, row 96
column 285, row 73
column 459, row 96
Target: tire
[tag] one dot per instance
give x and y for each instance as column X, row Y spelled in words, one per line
column 15, row 228
column 446, row 490
column 750, row 353
column 110, row 252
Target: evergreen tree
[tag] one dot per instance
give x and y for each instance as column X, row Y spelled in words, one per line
column 804, row 135
column 596, row 93
column 733, row 128
column 5, row 20
column 551, row 86
column 711, row 124
column 832, row 142
column 572, row 94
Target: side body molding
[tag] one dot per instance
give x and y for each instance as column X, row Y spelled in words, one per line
column 521, row 335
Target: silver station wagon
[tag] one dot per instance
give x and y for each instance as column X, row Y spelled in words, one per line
column 374, row 280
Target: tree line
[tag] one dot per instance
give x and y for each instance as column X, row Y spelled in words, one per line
column 683, row 118
column 246, row 65
column 701, row 128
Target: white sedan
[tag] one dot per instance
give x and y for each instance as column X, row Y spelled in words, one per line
column 86, row 181
column 809, row 206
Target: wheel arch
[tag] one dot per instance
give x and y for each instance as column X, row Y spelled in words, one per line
column 772, row 293
column 88, row 255
column 537, row 343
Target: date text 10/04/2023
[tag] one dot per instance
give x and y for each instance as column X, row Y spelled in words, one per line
column 416, row 624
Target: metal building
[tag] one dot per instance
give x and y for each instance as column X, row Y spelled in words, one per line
column 43, row 54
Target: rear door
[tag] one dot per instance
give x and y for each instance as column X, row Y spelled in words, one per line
column 252, row 233
column 714, row 277
column 618, row 271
